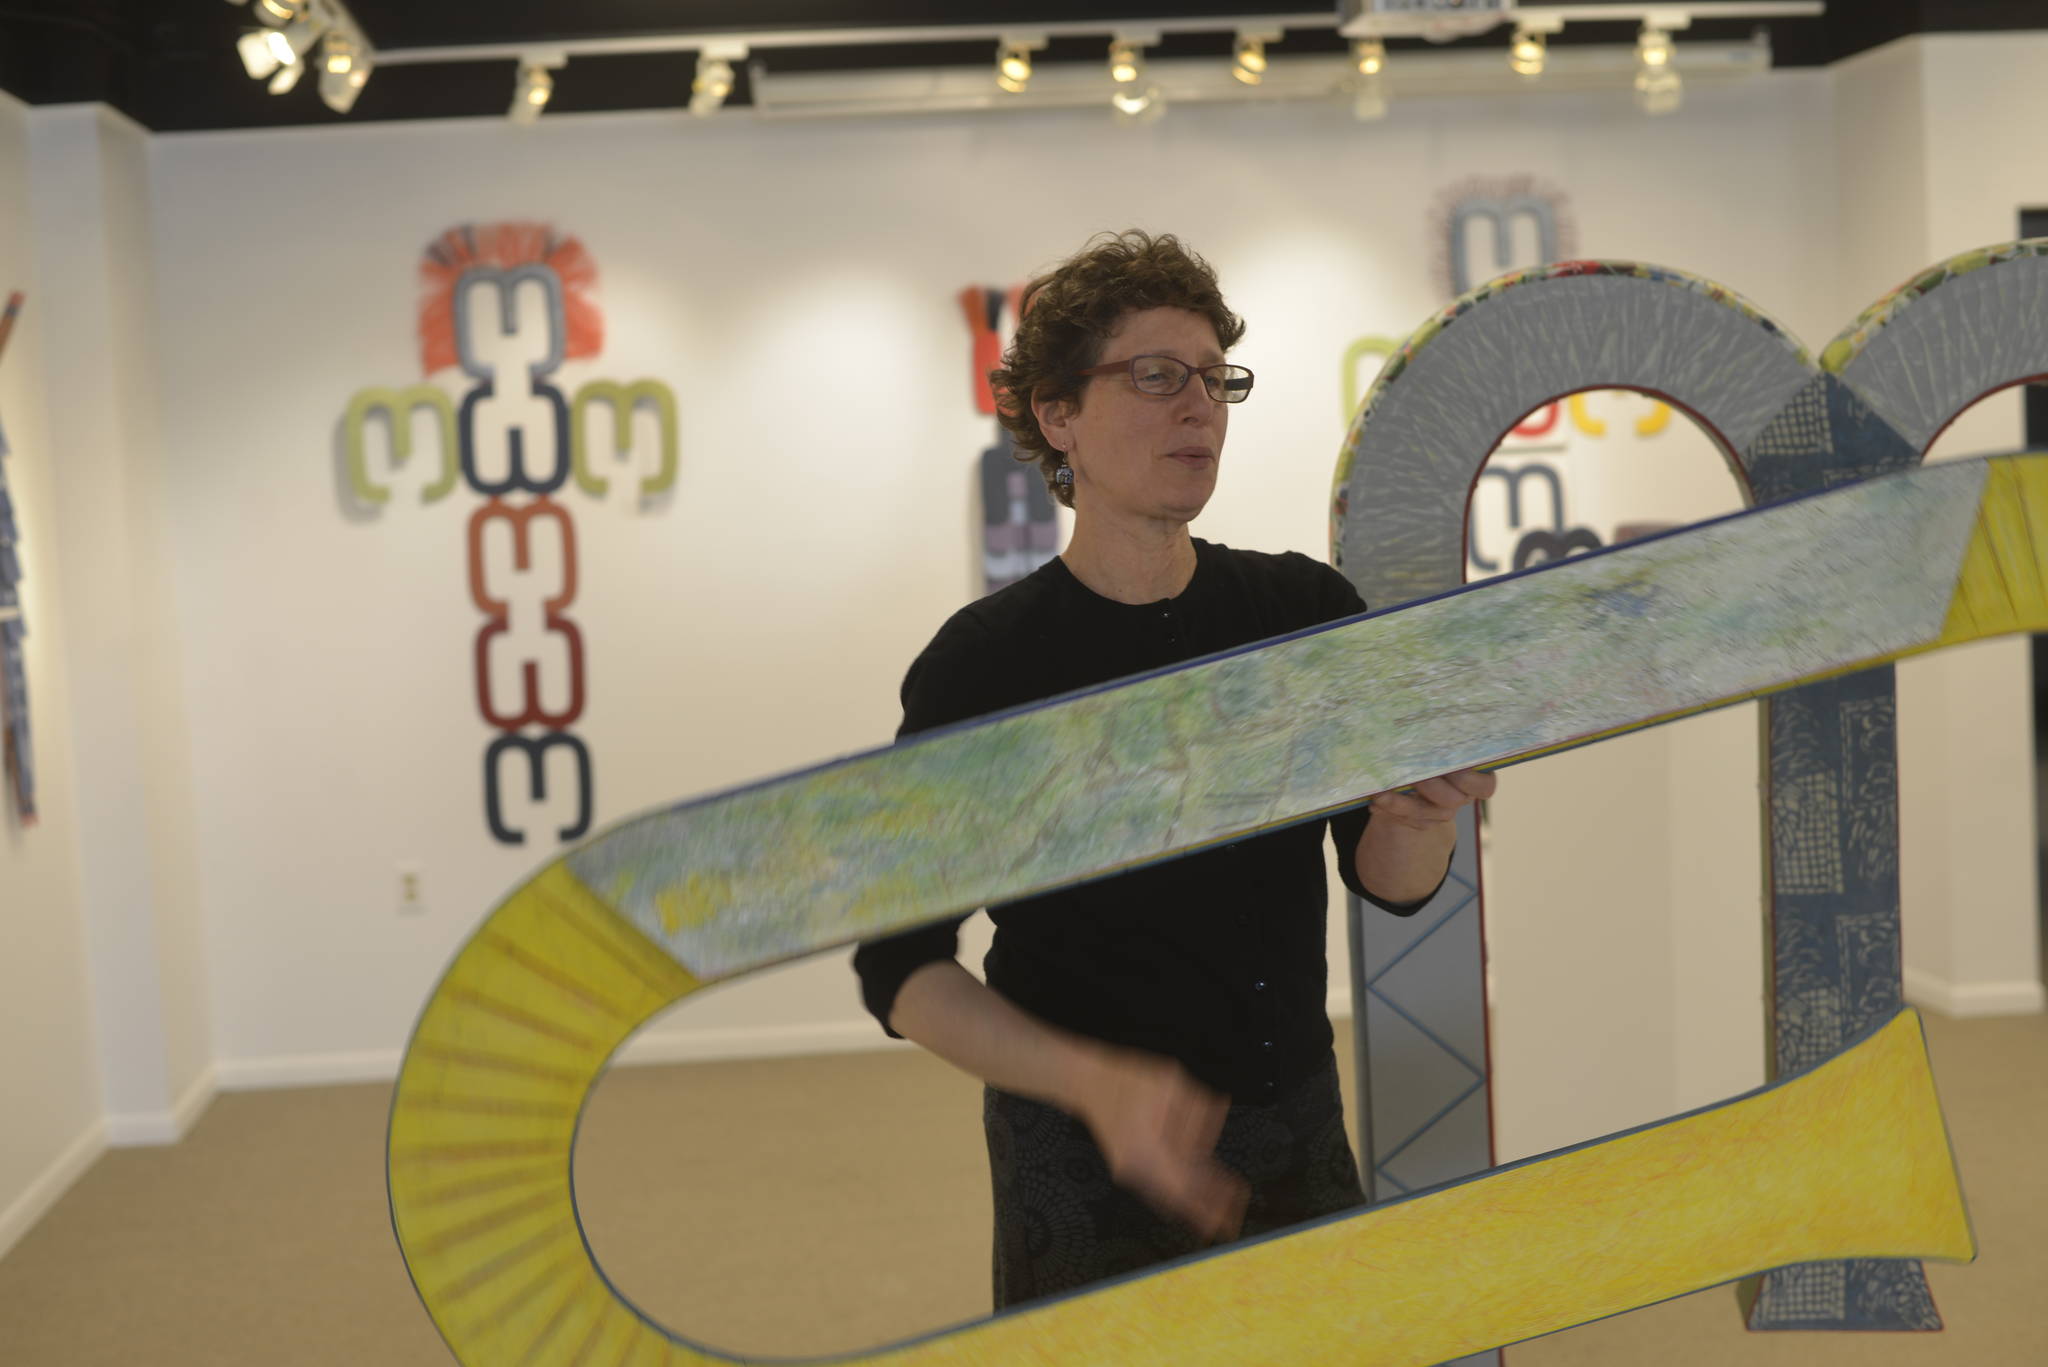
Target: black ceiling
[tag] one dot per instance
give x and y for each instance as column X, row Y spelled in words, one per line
column 171, row 64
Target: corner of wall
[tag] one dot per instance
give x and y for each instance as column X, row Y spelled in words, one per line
column 20, row 1215
column 89, row 205
column 54, row 1127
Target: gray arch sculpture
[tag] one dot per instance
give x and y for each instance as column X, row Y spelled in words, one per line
column 1885, row 390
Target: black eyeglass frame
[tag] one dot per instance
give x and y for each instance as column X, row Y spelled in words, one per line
column 1221, row 381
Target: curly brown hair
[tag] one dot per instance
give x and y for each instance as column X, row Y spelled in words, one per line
column 1070, row 312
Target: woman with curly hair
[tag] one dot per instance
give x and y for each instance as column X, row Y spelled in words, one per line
column 1159, row 1065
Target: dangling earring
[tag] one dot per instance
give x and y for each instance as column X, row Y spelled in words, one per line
column 1063, row 478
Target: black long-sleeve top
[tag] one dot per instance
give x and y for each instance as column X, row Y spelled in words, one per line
column 1216, row 959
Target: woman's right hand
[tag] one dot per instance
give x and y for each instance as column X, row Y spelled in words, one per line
column 1157, row 1127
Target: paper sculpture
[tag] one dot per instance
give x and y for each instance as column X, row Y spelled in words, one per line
column 1020, row 528
column 651, row 909
column 1876, row 400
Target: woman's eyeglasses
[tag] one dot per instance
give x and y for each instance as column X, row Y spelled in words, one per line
column 1163, row 375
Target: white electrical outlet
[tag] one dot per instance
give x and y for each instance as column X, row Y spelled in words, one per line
column 411, row 902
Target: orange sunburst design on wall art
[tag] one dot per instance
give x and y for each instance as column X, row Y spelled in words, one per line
column 505, row 245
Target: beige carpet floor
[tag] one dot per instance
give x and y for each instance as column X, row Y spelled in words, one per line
column 805, row 1206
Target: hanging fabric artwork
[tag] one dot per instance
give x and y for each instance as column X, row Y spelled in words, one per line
column 1019, row 526
column 17, row 759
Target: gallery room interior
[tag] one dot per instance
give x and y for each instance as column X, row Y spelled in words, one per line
column 453, row 456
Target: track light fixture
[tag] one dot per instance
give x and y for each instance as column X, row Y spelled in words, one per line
column 1013, row 61
column 1013, row 69
column 337, row 54
column 712, row 84
column 282, row 37
column 339, row 92
column 1248, row 56
column 280, row 52
column 1653, row 47
column 291, row 43
column 344, row 71
column 1659, row 88
column 531, row 95
column 257, row 58
column 1124, row 67
column 1134, row 98
column 714, row 79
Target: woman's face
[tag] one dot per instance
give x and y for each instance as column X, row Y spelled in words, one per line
column 1138, row 455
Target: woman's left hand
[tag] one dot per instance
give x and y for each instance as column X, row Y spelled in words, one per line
column 1434, row 801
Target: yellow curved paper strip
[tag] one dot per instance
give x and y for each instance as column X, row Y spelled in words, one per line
column 1850, row 1160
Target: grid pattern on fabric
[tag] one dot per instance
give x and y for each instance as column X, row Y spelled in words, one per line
column 1806, row 820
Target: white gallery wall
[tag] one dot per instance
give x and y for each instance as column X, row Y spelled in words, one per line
column 795, row 283
column 300, row 687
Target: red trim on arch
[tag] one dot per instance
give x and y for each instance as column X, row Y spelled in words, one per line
column 1942, row 430
column 1726, row 447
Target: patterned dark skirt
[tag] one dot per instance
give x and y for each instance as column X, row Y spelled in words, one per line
column 1061, row 1223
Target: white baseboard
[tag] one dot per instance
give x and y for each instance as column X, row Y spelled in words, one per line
column 702, row 1045
column 164, row 1127
column 757, row 1041
column 307, row 1070
column 674, row 1046
column 22, row 1213
column 2019, row 998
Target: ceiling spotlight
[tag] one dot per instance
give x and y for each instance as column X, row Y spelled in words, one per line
column 712, row 84
column 1248, row 57
column 1659, row 89
column 337, row 54
column 1013, row 63
column 286, row 77
column 1369, row 55
column 1123, row 63
column 278, row 11
column 292, row 42
column 257, row 58
column 339, row 85
column 1653, row 47
column 536, row 86
column 1527, row 54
